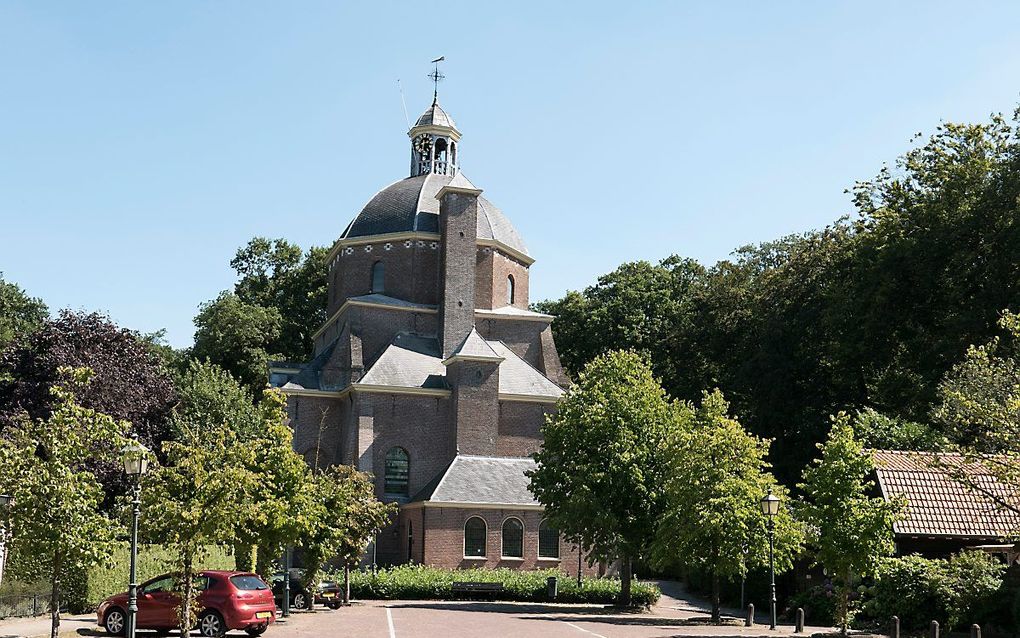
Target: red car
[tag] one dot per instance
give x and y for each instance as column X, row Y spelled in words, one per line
column 229, row 600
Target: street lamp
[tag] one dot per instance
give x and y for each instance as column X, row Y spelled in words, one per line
column 135, row 457
column 5, row 533
column 770, row 507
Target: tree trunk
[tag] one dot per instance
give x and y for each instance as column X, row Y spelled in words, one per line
column 187, row 594
column 55, row 597
column 625, row 578
column 716, row 605
column 844, row 604
column 347, row 583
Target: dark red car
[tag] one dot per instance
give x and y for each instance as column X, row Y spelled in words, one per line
column 229, row 600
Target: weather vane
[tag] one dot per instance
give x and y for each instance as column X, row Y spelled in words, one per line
column 436, row 78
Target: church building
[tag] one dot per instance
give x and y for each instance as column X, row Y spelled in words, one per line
column 431, row 373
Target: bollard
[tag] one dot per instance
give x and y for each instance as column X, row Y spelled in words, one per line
column 799, row 629
column 975, row 631
column 551, row 587
column 934, row 629
column 749, row 621
column 894, row 630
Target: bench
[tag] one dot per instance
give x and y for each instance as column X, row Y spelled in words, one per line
column 490, row 589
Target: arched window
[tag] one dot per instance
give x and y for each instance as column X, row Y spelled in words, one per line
column 510, row 292
column 474, row 537
column 397, row 465
column 548, row 541
column 440, row 154
column 378, row 277
column 513, row 538
column 453, row 153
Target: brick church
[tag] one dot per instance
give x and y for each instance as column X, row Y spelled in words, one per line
column 430, row 372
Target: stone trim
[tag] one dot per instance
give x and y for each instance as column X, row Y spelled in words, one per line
column 471, row 357
column 473, row 506
column 529, row 398
column 395, row 389
column 376, row 239
column 495, row 314
column 525, row 259
column 368, row 304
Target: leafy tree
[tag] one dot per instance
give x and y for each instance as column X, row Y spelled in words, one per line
column 194, row 500
column 233, row 334
column 600, row 471
column 56, row 529
column 128, row 383
column 878, row 431
column 851, row 530
column 712, row 517
column 210, row 395
column 980, row 410
column 346, row 515
column 278, row 274
column 20, row 315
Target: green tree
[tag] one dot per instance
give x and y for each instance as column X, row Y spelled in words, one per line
column 881, row 432
column 274, row 273
column 712, row 518
column 850, row 530
column 20, row 315
column 345, row 516
column 56, row 529
column 194, row 500
column 600, row 471
column 234, row 334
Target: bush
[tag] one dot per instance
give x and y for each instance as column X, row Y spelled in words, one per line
column 818, row 603
column 919, row 590
column 153, row 560
column 420, row 582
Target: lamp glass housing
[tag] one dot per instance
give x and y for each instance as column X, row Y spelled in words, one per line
column 135, row 457
column 770, row 505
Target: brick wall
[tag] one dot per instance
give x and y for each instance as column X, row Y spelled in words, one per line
column 411, row 270
column 519, row 427
column 475, row 405
column 317, row 424
column 444, row 540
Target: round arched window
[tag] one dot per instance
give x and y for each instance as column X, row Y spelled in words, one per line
column 513, row 538
column 397, row 469
column 474, row 537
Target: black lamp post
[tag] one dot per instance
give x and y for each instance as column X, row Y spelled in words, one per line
column 5, row 534
column 770, row 507
column 136, row 463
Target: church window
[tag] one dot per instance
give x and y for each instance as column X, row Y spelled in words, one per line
column 397, row 464
column 378, row 277
column 510, row 292
column 548, row 541
column 474, row 537
column 513, row 538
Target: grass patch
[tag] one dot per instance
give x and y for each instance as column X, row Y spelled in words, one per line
column 420, row 582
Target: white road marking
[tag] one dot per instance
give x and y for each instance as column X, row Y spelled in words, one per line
column 389, row 621
column 584, row 630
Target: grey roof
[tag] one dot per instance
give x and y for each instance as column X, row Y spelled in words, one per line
column 411, row 205
column 517, row 376
column 409, row 362
column 386, row 300
column 482, row 480
column 474, row 347
column 435, row 116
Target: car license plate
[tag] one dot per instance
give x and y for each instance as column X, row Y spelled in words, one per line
column 328, row 594
column 263, row 614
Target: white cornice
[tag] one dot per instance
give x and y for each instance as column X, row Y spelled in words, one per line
column 393, row 389
column 513, row 252
column 480, row 358
column 369, row 304
column 473, row 506
column 323, row 394
column 529, row 398
column 495, row 314
column 375, row 239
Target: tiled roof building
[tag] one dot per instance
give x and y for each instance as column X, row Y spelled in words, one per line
column 944, row 514
column 431, row 372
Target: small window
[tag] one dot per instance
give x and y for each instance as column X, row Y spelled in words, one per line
column 513, row 538
column 378, row 277
column 510, row 293
column 474, row 537
column 397, row 465
column 548, row 541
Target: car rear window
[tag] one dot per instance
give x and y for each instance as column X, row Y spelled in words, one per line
column 248, row 583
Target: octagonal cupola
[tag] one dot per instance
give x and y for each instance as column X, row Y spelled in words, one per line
column 434, row 143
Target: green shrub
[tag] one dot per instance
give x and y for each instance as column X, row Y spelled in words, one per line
column 918, row 590
column 153, row 560
column 818, row 603
column 420, row 582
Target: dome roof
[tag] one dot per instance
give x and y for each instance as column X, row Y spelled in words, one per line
column 411, row 205
column 435, row 116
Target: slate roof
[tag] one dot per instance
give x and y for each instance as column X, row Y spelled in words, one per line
column 411, row 205
column 435, row 116
column 386, row 300
column 409, row 362
column 517, row 376
column 482, row 480
column 938, row 505
column 474, row 347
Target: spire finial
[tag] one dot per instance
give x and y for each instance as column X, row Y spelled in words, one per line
column 436, row 78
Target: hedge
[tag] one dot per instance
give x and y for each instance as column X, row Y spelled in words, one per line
column 153, row 560
column 419, row 582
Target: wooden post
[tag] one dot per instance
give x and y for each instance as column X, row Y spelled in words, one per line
column 799, row 629
column 749, row 621
column 975, row 631
column 934, row 629
column 894, row 630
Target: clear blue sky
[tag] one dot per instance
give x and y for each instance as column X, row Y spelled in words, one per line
column 141, row 143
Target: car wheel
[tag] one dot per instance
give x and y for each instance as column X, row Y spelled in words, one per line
column 302, row 601
column 211, row 625
column 256, row 631
column 115, row 621
column 335, row 604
